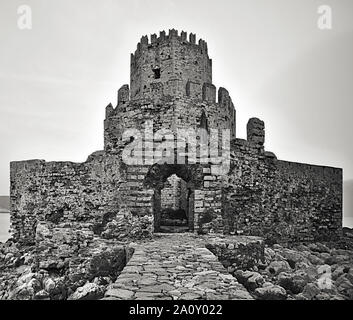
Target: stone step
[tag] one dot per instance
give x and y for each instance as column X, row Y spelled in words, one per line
column 173, row 229
column 174, row 222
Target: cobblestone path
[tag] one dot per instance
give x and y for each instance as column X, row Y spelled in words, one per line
column 175, row 266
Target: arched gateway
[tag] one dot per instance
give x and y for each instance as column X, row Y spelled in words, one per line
column 174, row 204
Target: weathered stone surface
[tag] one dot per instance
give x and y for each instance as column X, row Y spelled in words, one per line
column 271, row 293
column 243, row 252
column 345, row 284
column 125, row 225
column 171, row 267
column 311, row 290
column 108, row 262
column 290, row 268
column 293, row 283
column 64, row 260
column 90, row 291
column 276, row 267
column 251, row 280
column 119, row 293
column 176, row 267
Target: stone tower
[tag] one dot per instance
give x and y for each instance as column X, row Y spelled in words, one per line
column 168, row 65
column 171, row 84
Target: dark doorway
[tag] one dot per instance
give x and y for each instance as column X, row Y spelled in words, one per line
column 174, row 190
column 157, row 72
column 174, row 205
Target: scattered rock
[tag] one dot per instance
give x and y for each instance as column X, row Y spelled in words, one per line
column 107, row 262
column 318, row 247
column 117, row 293
column 293, row 257
column 276, row 267
column 42, row 295
column 339, row 270
column 311, row 290
column 273, row 292
column 90, row 291
column 49, row 285
column 251, row 280
column 344, row 285
column 315, row 259
column 127, row 226
column 294, row 283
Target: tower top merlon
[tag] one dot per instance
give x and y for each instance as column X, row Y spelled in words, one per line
column 256, row 131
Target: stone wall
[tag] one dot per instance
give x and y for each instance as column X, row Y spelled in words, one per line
column 183, row 113
column 63, row 192
column 260, row 195
column 171, row 194
column 283, row 200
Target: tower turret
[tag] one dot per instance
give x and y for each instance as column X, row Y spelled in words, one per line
column 169, row 65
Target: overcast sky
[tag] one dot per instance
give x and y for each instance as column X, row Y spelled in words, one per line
column 57, row 78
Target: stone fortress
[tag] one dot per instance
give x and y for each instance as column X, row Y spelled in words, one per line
column 171, row 88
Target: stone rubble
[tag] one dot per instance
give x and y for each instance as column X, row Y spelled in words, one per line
column 64, row 263
column 314, row 271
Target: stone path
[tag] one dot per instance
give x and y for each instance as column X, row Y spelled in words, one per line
column 175, row 266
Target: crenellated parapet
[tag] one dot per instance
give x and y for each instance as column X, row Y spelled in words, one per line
column 219, row 108
column 173, row 35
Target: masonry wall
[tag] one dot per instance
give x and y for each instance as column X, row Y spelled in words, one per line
column 260, row 195
column 82, row 193
column 281, row 200
column 172, row 194
column 169, row 115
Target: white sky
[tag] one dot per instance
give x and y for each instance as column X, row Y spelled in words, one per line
column 56, row 79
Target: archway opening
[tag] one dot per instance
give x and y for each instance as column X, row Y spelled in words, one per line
column 174, row 205
column 174, row 190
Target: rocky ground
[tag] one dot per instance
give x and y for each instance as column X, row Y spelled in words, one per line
column 75, row 265
column 70, row 265
column 315, row 271
column 301, row 272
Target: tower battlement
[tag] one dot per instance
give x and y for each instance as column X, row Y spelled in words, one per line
column 165, row 65
column 173, row 34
